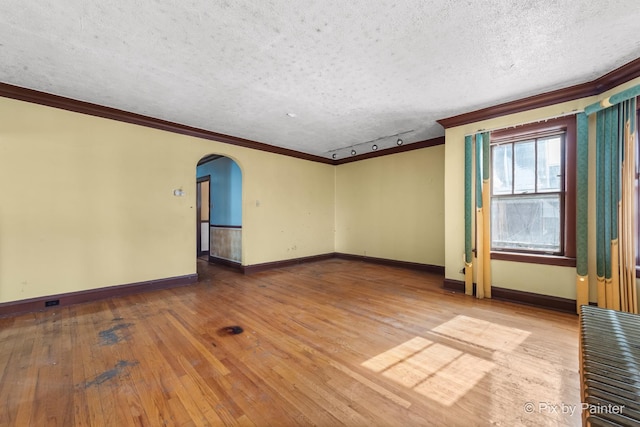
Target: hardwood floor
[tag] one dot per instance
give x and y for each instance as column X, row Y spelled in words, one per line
column 327, row 343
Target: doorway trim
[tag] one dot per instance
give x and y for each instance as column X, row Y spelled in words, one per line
column 199, row 219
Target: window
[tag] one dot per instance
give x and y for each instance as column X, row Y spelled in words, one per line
column 533, row 191
column 527, row 195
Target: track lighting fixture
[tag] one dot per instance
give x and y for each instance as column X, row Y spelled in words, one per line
column 382, row 143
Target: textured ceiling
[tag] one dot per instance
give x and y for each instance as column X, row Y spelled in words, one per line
column 350, row 72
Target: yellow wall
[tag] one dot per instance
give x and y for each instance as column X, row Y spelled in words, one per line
column 287, row 207
column 542, row 279
column 393, row 207
column 88, row 202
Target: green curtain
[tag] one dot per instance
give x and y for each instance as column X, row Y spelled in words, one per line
column 468, row 214
column 477, row 183
column 582, row 208
column 615, row 231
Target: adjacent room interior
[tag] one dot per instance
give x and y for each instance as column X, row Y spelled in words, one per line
column 240, row 214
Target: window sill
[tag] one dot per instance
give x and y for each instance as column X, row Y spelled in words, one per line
column 562, row 261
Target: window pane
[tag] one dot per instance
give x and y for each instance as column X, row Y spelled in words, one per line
column 502, row 169
column 524, row 176
column 549, row 164
column 526, row 223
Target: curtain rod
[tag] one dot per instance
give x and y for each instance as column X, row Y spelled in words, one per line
column 614, row 99
column 546, row 119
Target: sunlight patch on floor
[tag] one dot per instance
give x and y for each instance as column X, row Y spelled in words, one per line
column 391, row 357
column 421, row 365
column 440, row 372
column 482, row 333
column 455, row 380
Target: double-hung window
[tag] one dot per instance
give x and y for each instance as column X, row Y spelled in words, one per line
column 532, row 187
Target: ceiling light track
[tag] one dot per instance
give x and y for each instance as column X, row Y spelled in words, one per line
column 383, row 142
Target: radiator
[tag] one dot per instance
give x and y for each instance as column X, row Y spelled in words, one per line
column 609, row 367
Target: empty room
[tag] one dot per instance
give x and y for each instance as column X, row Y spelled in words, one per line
column 394, row 213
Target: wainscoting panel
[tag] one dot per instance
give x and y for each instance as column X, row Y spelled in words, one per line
column 226, row 243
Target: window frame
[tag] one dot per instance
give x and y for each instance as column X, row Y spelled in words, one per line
column 567, row 125
column 536, row 192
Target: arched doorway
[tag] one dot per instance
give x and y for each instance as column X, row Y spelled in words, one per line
column 219, row 213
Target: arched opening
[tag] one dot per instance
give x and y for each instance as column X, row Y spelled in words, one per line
column 219, row 210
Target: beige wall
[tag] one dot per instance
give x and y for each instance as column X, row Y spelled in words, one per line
column 542, row 279
column 88, row 202
column 287, row 209
column 393, row 206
